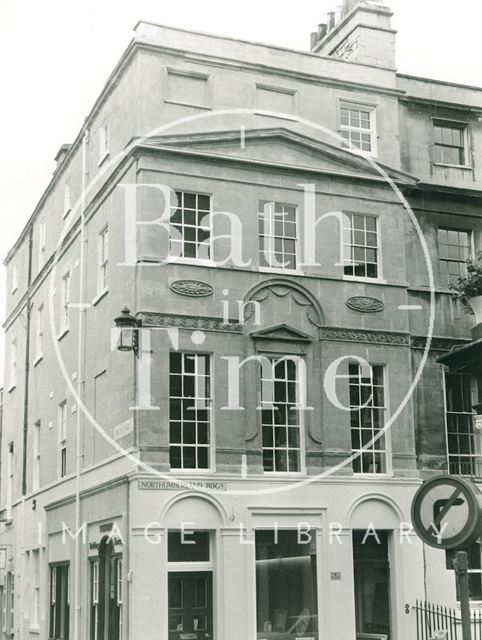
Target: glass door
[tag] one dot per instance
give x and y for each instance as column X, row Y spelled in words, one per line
column 372, row 583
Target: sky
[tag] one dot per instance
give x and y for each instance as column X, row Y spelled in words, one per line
column 56, row 55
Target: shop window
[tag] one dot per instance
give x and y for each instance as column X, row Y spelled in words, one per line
column 59, row 602
column 286, row 584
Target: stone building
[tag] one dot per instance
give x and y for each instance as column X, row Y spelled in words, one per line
column 283, row 227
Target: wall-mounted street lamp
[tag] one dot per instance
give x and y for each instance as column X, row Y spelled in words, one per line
column 128, row 326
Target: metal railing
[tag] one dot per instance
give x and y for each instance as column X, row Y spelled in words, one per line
column 435, row 622
column 470, row 467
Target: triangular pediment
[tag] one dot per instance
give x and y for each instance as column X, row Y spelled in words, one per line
column 281, row 332
column 281, row 147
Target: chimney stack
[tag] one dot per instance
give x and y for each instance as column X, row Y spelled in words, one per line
column 61, row 153
column 359, row 31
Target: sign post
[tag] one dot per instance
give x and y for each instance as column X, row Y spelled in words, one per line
column 447, row 514
column 461, row 565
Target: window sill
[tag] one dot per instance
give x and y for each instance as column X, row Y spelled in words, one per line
column 362, row 279
column 189, row 104
column 99, row 297
column 373, row 475
column 284, row 474
column 274, row 114
column 193, row 261
column 103, row 159
column 13, row 290
column 186, row 472
column 465, row 167
column 281, row 270
column 11, row 388
column 35, row 630
column 38, row 359
column 63, row 333
column 66, row 213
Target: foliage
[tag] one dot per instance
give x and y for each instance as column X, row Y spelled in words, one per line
column 470, row 285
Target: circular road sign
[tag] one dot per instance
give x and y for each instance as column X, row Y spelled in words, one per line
column 447, row 512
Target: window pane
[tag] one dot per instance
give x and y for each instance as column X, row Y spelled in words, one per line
column 286, row 597
column 190, row 226
column 449, row 143
column 367, row 419
column 280, row 415
column 190, row 547
column 454, row 250
column 463, row 451
column 189, row 410
column 277, row 235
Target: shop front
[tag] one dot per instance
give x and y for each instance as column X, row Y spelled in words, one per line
column 209, row 566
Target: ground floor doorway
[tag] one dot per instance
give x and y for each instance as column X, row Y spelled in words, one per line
column 372, row 583
column 190, row 605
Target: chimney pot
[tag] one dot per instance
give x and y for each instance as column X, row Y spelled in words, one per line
column 321, row 30
column 313, row 39
column 331, row 20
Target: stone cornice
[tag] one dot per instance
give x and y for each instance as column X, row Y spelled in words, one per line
column 312, row 78
column 258, row 164
column 441, row 104
column 437, row 343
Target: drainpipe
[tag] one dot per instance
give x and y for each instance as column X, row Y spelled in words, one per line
column 27, row 364
column 80, row 377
